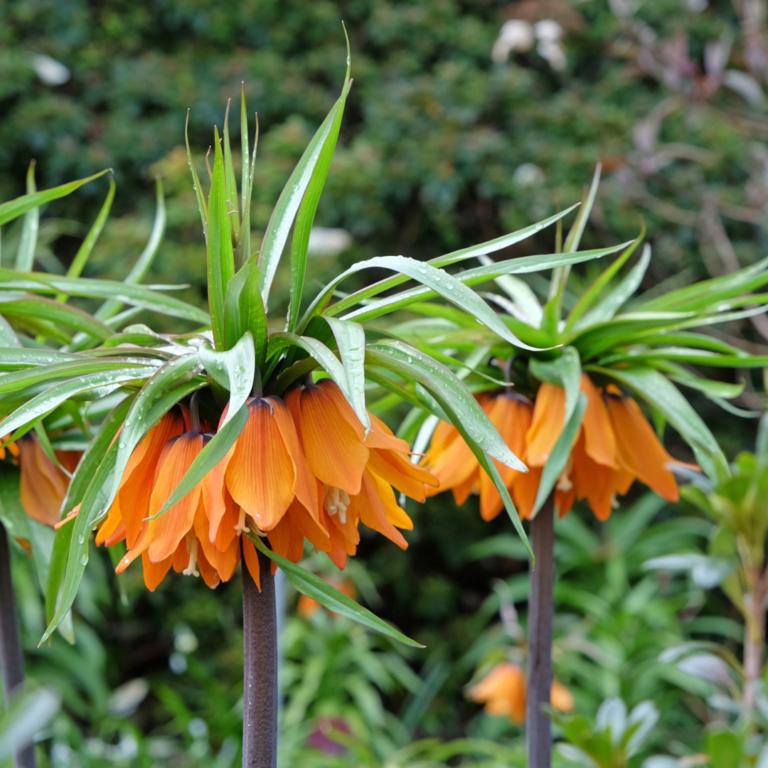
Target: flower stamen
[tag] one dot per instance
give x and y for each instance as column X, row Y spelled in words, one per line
column 337, row 503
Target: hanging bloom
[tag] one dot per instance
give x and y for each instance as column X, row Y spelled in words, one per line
column 356, row 472
column 614, row 447
column 503, row 693
column 43, row 484
column 8, row 449
column 301, row 469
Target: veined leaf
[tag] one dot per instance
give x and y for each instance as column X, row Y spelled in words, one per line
column 454, row 257
column 25, row 256
column 18, row 207
column 305, row 182
column 221, row 257
column 313, row 586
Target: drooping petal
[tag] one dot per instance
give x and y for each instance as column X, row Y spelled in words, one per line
column 331, row 436
column 379, row 510
column 600, row 443
column 502, row 692
column 43, row 485
column 639, row 450
column 261, row 475
column 547, row 424
column 154, row 573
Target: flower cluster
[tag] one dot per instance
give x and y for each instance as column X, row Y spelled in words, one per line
column 615, row 446
column 302, row 468
column 503, row 692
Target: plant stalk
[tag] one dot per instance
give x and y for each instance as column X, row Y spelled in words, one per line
column 10, row 645
column 259, row 669
column 754, row 639
column 538, row 727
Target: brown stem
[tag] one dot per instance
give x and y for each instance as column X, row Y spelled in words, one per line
column 259, row 669
column 754, row 639
column 10, row 645
column 540, row 610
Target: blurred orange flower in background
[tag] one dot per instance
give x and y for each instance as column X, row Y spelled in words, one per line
column 615, row 446
column 503, row 693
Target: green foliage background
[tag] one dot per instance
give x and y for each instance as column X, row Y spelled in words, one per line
column 441, row 146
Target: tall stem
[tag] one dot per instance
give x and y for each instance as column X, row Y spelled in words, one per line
column 10, row 645
column 754, row 639
column 540, row 611
column 259, row 669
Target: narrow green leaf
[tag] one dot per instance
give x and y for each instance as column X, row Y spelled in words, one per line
column 313, row 586
column 308, row 208
column 37, row 308
column 30, row 710
column 25, row 256
column 87, row 246
column 474, row 276
column 350, row 339
column 221, row 258
column 234, row 369
column 230, row 183
column 196, row 186
column 244, row 310
column 305, row 178
column 19, row 206
column 137, row 295
column 454, row 257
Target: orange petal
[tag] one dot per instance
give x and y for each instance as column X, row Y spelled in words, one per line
column 154, row 573
column 261, row 475
column 502, row 691
column 600, row 443
column 547, row 424
column 43, row 485
column 639, row 450
column 251, row 559
column 379, row 510
column 168, row 530
column 332, row 442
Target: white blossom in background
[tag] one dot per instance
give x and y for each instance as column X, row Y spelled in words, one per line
column 50, row 71
column 549, row 35
column 528, row 175
column 515, row 36
column 328, row 241
column 519, row 36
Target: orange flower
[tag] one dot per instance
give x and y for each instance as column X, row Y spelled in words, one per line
column 301, row 469
column 503, row 692
column 615, row 446
column 43, row 484
column 8, row 448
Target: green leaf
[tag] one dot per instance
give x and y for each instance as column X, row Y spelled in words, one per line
column 47, row 401
column 350, row 339
column 246, row 181
column 25, row 256
column 474, row 276
column 30, row 710
column 140, row 296
column 18, row 207
column 230, row 182
column 235, row 370
column 147, row 256
column 328, row 361
column 662, row 395
column 221, row 257
column 305, row 182
column 37, row 308
column 454, row 257
column 196, row 186
column 313, row 586
column 244, row 309
column 598, row 303
column 306, row 213
column 87, row 246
